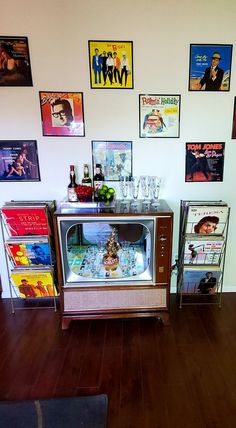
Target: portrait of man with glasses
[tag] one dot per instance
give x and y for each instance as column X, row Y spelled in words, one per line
column 62, row 114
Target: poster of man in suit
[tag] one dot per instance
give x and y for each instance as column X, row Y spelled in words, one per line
column 210, row 67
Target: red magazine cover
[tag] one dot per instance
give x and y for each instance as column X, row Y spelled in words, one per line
column 26, row 221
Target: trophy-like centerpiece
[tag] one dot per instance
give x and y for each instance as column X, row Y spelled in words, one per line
column 111, row 258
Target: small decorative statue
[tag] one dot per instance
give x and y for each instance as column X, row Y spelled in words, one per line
column 110, row 258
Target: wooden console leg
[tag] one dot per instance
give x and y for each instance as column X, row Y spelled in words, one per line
column 65, row 323
column 164, row 317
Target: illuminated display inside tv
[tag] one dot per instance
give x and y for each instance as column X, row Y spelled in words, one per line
column 107, row 250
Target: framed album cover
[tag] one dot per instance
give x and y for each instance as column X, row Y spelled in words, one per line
column 210, row 67
column 15, row 69
column 233, row 136
column 204, row 162
column 62, row 114
column 19, row 160
column 159, row 116
column 115, row 158
column 111, row 64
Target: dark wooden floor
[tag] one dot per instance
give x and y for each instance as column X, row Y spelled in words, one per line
column 183, row 375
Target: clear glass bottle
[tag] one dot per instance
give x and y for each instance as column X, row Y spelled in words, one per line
column 72, row 194
column 86, row 180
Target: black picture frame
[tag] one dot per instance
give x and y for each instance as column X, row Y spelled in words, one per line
column 68, row 109
column 115, row 158
column 111, row 64
column 159, row 116
column 204, row 162
column 201, row 76
column 233, row 135
column 19, row 161
column 15, row 68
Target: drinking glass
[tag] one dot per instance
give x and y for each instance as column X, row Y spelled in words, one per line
column 91, row 259
column 134, row 185
column 145, row 185
column 101, row 246
column 124, row 185
column 125, row 257
column 125, row 245
column 155, row 188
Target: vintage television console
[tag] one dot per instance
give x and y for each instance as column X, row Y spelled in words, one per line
column 137, row 284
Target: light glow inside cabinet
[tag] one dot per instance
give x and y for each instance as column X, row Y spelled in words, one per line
column 136, row 282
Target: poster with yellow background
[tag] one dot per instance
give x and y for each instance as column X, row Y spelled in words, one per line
column 111, row 64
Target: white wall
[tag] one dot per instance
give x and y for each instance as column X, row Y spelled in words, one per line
column 161, row 31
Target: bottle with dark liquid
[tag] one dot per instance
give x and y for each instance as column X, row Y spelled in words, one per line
column 98, row 180
column 72, row 194
column 86, row 181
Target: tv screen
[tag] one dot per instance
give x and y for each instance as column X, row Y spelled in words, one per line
column 107, row 250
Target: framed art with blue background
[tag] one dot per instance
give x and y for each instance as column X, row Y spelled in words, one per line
column 115, row 158
column 210, row 67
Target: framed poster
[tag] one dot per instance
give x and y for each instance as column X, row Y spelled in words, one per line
column 204, row 162
column 15, row 67
column 62, row 114
column 159, row 116
column 115, row 158
column 210, row 67
column 233, row 136
column 19, row 160
column 111, row 64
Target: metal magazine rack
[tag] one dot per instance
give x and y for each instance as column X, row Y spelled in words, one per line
column 203, row 231
column 26, row 228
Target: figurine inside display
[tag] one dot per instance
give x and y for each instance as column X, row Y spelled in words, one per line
column 111, row 258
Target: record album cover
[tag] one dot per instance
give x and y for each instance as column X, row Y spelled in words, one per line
column 33, row 284
column 200, row 280
column 207, row 219
column 29, row 253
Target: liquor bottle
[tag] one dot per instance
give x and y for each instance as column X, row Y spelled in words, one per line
column 72, row 195
column 86, row 181
column 98, row 180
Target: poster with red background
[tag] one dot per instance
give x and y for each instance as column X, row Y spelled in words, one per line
column 62, row 114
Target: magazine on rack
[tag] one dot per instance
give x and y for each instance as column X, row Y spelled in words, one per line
column 201, row 280
column 203, row 250
column 207, row 219
column 33, row 283
column 28, row 251
column 51, row 204
column 26, row 220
